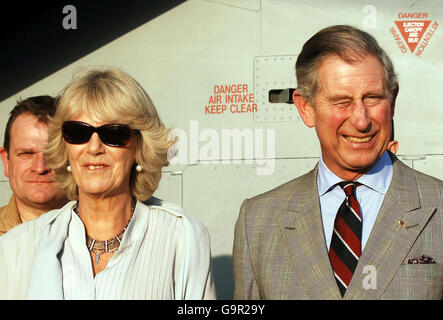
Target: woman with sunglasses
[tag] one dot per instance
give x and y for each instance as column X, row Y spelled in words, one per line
column 107, row 147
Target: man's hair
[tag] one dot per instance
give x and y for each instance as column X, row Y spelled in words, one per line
column 347, row 42
column 42, row 107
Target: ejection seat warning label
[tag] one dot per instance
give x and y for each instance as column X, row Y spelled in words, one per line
column 230, row 98
column 412, row 31
column 416, row 30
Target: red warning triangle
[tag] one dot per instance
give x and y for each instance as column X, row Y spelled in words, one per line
column 412, row 31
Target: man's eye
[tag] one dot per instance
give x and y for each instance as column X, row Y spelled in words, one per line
column 371, row 100
column 342, row 104
column 26, row 153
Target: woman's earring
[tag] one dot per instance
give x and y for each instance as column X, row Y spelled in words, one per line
column 138, row 168
column 68, row 168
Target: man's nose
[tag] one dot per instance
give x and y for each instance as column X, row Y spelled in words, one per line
column 360, row 116
column 39, row 164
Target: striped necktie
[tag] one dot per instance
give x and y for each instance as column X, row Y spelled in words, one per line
column 345, row 248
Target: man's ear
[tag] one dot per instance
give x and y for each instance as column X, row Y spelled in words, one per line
column 393, row 99
column 5, row 160
column 393, row 146
column 306, row 111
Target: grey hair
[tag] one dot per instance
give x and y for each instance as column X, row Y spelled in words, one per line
column 350, row 44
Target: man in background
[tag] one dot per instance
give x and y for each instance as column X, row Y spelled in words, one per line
column 33, row 184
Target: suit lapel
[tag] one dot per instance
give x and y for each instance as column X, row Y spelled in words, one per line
column 301, row 224
column 390, row 239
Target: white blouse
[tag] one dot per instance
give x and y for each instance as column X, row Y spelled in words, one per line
column 164, row 254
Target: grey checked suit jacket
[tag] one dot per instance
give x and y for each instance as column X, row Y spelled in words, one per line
column 280, row 250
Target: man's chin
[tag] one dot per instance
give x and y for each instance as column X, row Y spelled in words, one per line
column 45, row 200
column 362, row 165
column 356, row 165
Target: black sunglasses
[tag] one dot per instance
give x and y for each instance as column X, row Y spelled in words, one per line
column 112, row 134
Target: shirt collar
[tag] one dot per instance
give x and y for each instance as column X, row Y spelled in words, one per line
column 10, row 217
column 377, row 178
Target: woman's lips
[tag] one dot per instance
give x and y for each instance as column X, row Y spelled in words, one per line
column 95, row 166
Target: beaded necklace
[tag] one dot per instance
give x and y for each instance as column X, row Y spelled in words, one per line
column 99, row 247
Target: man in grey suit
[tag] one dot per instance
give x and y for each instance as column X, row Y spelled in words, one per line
column 361, row 224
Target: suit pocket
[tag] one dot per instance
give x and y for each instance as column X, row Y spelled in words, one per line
column 420, row 281
column 425, row 272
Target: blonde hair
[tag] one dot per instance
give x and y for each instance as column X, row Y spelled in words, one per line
column 111, row 95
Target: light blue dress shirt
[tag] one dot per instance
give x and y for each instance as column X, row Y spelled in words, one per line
column 370, row 195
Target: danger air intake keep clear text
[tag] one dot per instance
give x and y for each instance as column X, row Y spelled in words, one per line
column 230, row 98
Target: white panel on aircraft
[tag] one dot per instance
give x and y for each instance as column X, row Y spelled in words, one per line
column 170, row 187
column 431, row 165
column 271, row 73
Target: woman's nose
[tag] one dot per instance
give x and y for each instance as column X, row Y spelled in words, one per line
column 95, row 144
